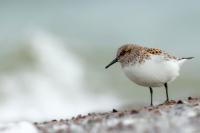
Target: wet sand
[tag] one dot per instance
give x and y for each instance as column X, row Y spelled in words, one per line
column 181, row 116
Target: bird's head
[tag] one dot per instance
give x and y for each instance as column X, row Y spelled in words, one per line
column 123, row 53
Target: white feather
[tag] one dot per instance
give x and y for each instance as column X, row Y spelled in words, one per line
column 182, row 61
column 153, row 72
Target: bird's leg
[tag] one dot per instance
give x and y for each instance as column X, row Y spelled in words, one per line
column 151, row 92
column 166, row 88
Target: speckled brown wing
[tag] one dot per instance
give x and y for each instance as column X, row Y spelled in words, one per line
column 157, row 51
column 154, row 51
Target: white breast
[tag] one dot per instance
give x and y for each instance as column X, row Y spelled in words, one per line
column 154, row 72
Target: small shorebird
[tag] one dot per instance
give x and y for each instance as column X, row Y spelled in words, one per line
column 150, row 67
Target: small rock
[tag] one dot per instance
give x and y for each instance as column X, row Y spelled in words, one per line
column 189, row 98
column 79, row 116
column 89, row 114
column 150, row 109
column 114, row 111
column 62, row 120
column 180, row 102
column 54, row 120
column 45, row 122
column 134, row 111
column 35, row 123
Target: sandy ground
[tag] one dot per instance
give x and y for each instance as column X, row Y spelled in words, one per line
column 182, row 116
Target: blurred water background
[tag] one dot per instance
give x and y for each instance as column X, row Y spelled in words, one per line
column 53, row 54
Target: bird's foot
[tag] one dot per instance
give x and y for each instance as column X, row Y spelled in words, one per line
column 170, row 102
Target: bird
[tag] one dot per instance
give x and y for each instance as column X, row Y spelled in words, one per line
column 148, row 67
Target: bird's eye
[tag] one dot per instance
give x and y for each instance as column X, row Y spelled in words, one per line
column 122, row 53
column 129, row 51
column 125, row 52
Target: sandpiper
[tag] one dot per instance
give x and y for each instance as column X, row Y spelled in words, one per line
column 149, row 67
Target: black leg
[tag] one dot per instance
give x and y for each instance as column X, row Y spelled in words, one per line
column 166, row 88
column 151, row 92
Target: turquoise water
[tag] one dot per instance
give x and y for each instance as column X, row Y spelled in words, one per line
column 56, row 51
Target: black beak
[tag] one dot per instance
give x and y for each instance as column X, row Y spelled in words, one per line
column 111, row 63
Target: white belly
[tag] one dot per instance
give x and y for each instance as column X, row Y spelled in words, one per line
column 152, row 73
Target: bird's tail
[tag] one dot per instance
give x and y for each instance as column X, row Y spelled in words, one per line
column 182, row 60
column 187, row 58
